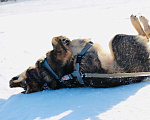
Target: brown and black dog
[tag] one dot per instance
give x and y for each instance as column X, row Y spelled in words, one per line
column 129, row 54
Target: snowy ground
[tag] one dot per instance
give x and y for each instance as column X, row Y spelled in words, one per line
column 26, row 30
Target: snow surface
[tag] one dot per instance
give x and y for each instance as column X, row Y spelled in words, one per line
column 26, row 30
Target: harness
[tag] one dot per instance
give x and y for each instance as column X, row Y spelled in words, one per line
column 76, row 74
column 79, row 75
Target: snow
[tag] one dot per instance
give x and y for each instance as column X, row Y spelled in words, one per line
column 28, row 25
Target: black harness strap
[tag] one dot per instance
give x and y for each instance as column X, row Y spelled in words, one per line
column 50, row 69
column 79, row 57
column 78, row 61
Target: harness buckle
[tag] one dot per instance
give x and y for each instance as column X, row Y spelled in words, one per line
column 79, row 76
column 66, row 77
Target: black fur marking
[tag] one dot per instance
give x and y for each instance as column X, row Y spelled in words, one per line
column 130, row 54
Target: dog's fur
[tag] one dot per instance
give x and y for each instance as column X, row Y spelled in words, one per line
column 128, row 54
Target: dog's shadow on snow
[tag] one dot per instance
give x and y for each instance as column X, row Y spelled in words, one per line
column 67, row 104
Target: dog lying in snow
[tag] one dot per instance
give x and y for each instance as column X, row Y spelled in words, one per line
column 128, row 54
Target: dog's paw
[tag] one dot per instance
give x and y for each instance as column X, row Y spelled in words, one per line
column 133, row 18
column 143, row 19
column 58, row 39
column 65, row 41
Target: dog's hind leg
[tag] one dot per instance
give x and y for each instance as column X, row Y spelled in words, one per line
column 136, row 24
column 144, row 21
column 130, row 53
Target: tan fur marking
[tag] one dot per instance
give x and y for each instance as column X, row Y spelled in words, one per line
column 77, row 45
column 105, row 57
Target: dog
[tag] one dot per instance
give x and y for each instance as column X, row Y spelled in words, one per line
column 129, row 53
